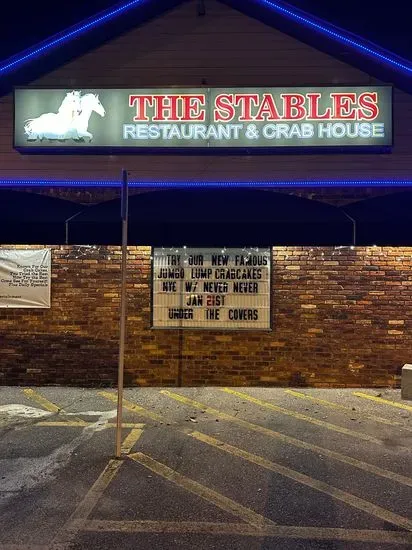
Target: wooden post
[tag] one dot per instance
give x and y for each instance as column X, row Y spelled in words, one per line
column 123, row 314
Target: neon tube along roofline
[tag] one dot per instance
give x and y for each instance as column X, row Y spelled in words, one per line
column 344, row 37
column 205, row 184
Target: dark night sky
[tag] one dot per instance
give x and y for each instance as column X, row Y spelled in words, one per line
column 25, row 23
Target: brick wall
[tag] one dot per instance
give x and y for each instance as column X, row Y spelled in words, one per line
column 341, row 317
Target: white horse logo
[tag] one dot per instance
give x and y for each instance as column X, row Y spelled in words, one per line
column 70, row 122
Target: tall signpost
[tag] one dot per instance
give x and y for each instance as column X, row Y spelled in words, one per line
column 123, row 303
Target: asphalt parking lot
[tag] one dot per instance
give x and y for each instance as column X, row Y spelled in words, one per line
column 205, row 468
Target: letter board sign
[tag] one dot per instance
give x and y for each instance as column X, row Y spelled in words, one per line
column 211, row 288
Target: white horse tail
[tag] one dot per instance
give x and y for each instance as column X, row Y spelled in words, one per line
column 28, row 126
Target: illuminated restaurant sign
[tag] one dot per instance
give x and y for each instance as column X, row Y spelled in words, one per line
column 246, row 118
column 211, row 288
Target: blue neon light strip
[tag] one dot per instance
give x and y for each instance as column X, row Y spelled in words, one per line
column 206, row 184
column 56, row 40
column 329, row 31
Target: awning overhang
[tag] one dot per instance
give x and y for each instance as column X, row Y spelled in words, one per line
column 214, row 217
column 384, row 220
column 31, row 218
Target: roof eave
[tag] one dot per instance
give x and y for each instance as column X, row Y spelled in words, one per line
column 373, row 60
column 379, row 63
column 68, row 49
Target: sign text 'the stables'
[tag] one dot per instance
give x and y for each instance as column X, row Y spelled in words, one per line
column 252, row 107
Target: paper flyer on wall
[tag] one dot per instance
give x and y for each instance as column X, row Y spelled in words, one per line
column 25, row 278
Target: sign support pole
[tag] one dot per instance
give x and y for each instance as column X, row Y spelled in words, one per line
column 123, row 298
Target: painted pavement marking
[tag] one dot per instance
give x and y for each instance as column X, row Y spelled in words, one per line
column 83, row 423
column 62, row 423
column 45, row 403
column 258, row 525
column 348, row 498
column 15, row 410
column 241, row 529
column 338, row 494
column 80, row 515
column 369, row 468
column 211, row 496
column 130, row 441
column 305, row 418
column 332, row 405
column 23, row 547
column 321, row 486
column 11, row 411
column 42, row 401
column 132, row 406
column 383, row 401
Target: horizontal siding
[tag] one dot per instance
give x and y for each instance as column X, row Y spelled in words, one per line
column 181, row 48
column 223, row 48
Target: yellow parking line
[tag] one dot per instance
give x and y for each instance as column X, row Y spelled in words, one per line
column 82, row 423
column 80, row 515
column 130, row 440
column 305, row 418
column 42, row 401
column 126, row 425
column 63, row 423
column 78, row 518
column 316, row 400
column 132, row 406
column 369, row 468
column 86, row 506
column 383, row 401
column 46, row 404
column 348, row 409
column 303, row 479
column 23, row 546
column 211, row 496
column 241, row 529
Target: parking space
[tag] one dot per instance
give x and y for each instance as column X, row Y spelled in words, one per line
column 253, row 468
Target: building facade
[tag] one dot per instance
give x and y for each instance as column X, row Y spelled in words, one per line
column 339, row 314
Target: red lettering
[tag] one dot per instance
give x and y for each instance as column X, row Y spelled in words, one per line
column 369, row 109
column 293, row 106
column 141, row 102
column 166, row 107
column 314, row 107
column 193, row 107
column 343, row 105
column 267, row 109
column 245, row 101
column 224, row 109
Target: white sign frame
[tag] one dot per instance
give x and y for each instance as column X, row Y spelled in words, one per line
column 182, row 294
column 335, row 118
